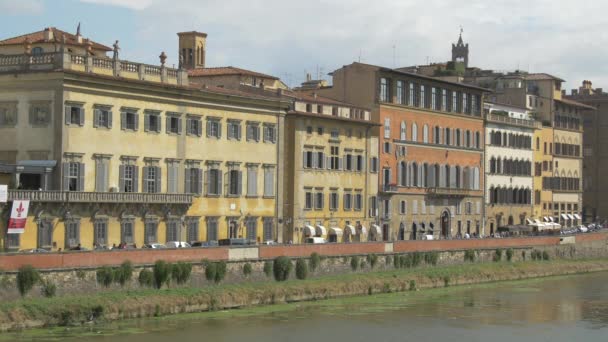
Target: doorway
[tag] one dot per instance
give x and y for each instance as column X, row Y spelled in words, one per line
column 385, row 232
column 30, row 181
column 232, row 229
column 445, row 224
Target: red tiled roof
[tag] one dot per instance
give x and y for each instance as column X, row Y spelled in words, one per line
column 39, row 37
column 229, row 70
column 574, row 103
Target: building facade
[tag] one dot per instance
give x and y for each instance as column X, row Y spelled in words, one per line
column 595, row 150
column 431, row 150
column 110, row 151
column 331, row 175
column 509, row 159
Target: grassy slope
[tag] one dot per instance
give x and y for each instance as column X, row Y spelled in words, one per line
column 148, row 302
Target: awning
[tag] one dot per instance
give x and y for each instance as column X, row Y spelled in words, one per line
column 538, row 221
column 551, row 218
column 546, row 219
column 577, row 216
column 376, row 229
column 350, row 230
column 565, row 217
column 363, row 230
column 309, row 230
column 529, row 221
column 571, row 217
column 321, row 230
column 335, row 231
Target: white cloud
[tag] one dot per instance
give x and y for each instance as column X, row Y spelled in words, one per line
column 13, row 7
column 286, row 38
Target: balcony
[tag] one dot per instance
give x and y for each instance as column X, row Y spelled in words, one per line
column 513, row 121
column 451, row 192
column 98, row 197
column 389, row 188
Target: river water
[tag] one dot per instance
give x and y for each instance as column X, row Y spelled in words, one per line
column 573, row 308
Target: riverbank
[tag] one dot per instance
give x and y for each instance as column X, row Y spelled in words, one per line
column 118, row 305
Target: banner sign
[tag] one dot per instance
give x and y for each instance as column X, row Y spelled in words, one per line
column 16, row 224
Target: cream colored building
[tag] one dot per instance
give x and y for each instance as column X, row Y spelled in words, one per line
column 331, row 175
column 110, row 151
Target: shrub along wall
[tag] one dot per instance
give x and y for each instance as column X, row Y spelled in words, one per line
column 205, row 272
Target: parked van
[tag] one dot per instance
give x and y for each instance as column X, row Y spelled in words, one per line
column 315, row 240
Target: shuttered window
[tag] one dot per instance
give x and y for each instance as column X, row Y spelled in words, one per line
column 100, row 232
column 45, row 233
column 252, row 181
column 72, row 233
column 193, row 231
column 101, row 174
column 253, row 132
column 234, row 183
column 234, row 130
column 172, row 177
column 358, row 201
column 251, row 226
column 127, row 231
column 194, row 126
column 268, row 182
column 128, row 178
column 73, row 176
column 268, row 223
column 212, row 229
column 151, row 179
column 151, row 231
column 152, row 122
column 193, row 181
column 173, row 230
column 173, row 124
column 74, row 115
column 270, row 134
column 102, row 117
column 129, row 120
column 214, row 128
column 213, row 182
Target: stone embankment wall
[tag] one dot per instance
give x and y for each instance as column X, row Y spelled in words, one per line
column 75, row 273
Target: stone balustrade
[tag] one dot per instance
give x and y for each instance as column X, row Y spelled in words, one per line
column 513, row 121
column 99, row 197
column 95, row 65
column 456, row 192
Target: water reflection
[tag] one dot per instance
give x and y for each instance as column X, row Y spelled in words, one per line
column 555, row 309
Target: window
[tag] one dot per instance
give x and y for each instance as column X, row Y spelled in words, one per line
column 308, row 129
column 333, row 201
column 37, row 51
column 214, row 128
column 101, row 174
column 373, row 164
column 174, row 124
column 73, row 176
column 192, row 231
column 410, row 96
column 268, row 182
column 386, row 147
column 152, row 122
column 422, row 99
column 308, row 200
column 320, row 130
column 403, row 131
column 8, row 115
column 320, row 109
column 214, row 182
column 348, row 201
column 400, row 93
column 253, row 132
column 309, row 160
column 319, row 200
column 128, row 175
column 193, row 179
column 129, row 120
column 126, row 231
column 72, row 233
column 102, row 117
column 358, row 201
column 384, row 90
column 252, row 181
column 437, row 135
column 414, row 132
column 320, row 162
column 234, row 182
column 454, row 104
column 251, row 228
column 387, row 128
column 268, row 224
column 403, row 208
column 433, row 98
column 212, row 229
column 45, row 233
column 359, row 163
column 335, row 133
column 444, row 99
column 349, row 162
column 151, row 231
column 234, row 130
column 74, row 115
column 465, row 104
column 373, row 206
column 172, row 176
column 194, row 126
column 335, row 160
column 173, row 229
column 425, row 134
column 100, row 232
column 151, row 175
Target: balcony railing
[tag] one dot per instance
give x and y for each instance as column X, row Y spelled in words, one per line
column 98, row 197
column 389, row 188
column 456, row 192
column 513, row 121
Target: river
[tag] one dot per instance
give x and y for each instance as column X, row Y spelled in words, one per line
column 573, row 308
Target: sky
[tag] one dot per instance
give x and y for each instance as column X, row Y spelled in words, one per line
column 288, row 39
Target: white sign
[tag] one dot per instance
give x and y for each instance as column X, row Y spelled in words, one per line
column 16, row 224
column 3, row 193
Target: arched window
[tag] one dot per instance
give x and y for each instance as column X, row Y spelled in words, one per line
column 437, row 174
column 538, row 144
column 491, row 199
column 467, row 138
column 437, row 135
column 476, row 178
column 403, row 130
column 448, row 136
column 458, row 181
column 415, row 174
column 414, row 132
column 402, row 174
column 425, row 134
column 447, row 176
column 453, row 177
column 492, row 165
column 425, row 175
column 466, row 178
column 458, row 137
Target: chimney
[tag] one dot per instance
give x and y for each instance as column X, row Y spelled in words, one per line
column 49, row 34
column 308, row 77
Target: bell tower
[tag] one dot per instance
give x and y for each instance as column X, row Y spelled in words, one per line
column 460, row 51
column 192, row 48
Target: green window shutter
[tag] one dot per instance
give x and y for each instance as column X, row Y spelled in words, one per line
column 68, row 111
column 81, row 177
column 81, row 116
column 158, row 180
column 123, row 120
column 96, row 117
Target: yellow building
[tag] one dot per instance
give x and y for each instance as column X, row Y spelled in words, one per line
column 110, row 151
column 331, row 171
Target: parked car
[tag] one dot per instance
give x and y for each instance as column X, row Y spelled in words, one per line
column 177, row 244
column 583, row 229
column 155, row 246
column 212, row 243
column 34, row 250
column 270, row 242
column 315, row 240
